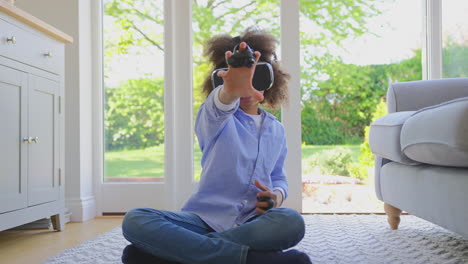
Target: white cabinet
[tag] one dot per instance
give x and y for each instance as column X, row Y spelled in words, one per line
column 29, row 139
column 13, row 154
column 31, row 125
column 43, row 169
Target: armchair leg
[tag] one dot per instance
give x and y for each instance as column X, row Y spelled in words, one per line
column 393, row 214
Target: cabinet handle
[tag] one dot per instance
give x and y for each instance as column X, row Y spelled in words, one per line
column 48, row 54
column 36, row 140
column 28, row 139
column 11, row 40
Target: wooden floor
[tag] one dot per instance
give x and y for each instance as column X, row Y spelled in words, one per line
column 36, row 246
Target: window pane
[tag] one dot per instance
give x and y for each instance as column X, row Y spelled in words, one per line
column 134, row 90
column 455, row 38
column 224, row 17
column 350, row 52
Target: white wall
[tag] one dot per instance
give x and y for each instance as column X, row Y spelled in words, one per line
column 74, row 18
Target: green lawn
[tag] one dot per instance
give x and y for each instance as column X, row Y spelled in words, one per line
column 135, row 163
column 308, row 150
column 150, row 162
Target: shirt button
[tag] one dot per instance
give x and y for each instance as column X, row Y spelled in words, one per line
column 250, row 122
column 245, row 201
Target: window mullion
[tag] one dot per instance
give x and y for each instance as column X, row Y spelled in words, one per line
column 178, row 102
column 291, row 116
column 433, row 30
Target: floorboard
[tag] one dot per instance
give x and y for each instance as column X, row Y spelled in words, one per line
column 36, row 246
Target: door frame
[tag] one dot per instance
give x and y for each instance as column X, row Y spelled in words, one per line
column 432, row 39
column 178, row 128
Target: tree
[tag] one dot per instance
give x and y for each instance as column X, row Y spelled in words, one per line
column 337, row 109
column 134, row 114
column 335, row 20
column 141, row 25
column 454, row 57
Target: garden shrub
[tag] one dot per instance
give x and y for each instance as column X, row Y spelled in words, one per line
column 333, row 161
column 134, row 114
column 317, row 130
column 360, row 169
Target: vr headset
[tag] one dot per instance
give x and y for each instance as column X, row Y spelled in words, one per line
column 263, row 76
column 262, row 80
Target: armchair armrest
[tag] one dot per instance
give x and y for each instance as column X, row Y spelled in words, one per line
column 412, row 96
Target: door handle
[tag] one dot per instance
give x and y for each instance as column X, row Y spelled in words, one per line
column 11, row 40
column 28, row 139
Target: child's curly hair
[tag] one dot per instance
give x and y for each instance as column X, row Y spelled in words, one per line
column 258, row 40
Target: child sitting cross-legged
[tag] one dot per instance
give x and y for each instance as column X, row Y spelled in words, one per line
column 234, row 217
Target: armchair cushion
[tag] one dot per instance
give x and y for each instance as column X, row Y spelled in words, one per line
column 438, row 134
column 384, row 137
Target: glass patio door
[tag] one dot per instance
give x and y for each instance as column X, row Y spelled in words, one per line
column 148, row 101
column 133, row 80
column 344, row 82
column 148, row 45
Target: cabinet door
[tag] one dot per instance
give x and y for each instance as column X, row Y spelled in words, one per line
column 43, row 151
column 13, row 128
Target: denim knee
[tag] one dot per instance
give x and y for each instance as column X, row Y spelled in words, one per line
column 290, row 224
column 132, row 222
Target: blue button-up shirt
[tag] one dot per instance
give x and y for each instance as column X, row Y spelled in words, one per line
column 235, row 154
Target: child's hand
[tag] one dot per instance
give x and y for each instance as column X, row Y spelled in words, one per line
column 238, row 81
column 266, row 193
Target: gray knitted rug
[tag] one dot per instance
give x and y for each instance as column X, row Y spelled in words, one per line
column 329, row 239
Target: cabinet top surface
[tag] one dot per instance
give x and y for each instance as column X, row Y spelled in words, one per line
column 34, row 22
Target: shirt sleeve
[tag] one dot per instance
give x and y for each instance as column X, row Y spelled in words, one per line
column 278, row 175
column 211, row 119
column 220, row 105
column 279, row 189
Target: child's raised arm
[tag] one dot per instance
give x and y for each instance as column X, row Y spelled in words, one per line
column 238, row 81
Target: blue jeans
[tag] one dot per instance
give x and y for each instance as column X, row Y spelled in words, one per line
column 184, row 237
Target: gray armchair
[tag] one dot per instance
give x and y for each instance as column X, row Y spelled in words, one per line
column 421, row 150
